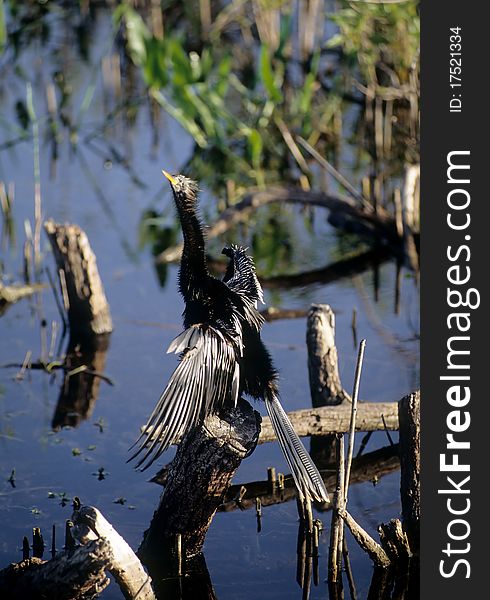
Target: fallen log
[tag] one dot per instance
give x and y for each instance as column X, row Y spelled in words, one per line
column 336, row 419
column 325, row 420
column 77, row 575
column 88, row 525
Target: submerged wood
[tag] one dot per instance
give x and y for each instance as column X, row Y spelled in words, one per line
column 81, row 286
column 196, row 482
column 76, row 575
column 368, row 467
column 336, row 419
column 409, row 418
column 275, row 314
column 379, row 225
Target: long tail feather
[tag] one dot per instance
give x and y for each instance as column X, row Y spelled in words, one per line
column 305, row 474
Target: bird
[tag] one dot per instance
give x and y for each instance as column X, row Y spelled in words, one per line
column 221, row 351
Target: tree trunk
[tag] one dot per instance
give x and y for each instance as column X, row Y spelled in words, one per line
column 198, row 478
column 81, row 287
column 336, row 419
column 409, row 418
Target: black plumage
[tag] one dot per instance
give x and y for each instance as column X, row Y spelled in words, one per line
column 222, row 354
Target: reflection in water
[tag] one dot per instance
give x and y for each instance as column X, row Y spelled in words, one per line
column 84, row 368
column 193, row 584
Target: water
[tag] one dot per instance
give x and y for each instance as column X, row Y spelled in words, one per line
column 89, row 188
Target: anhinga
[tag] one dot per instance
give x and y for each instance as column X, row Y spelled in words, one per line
column 222, row 354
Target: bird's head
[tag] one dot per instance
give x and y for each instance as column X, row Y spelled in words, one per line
column 184, row 190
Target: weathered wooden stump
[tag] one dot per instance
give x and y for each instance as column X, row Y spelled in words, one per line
column 196, row 482
column 323, row 370
column 88, row 314
column 325, row 385
column 409, row 418
column 80, row 283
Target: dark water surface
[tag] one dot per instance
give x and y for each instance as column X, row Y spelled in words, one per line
column 89, row 188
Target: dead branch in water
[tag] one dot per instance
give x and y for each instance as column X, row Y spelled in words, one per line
column 275, row 314
column 89, row 524
column 325, row 420
column 76, row 575
column 398, row 538
column 325, row 386
column 9, row 294
column 365, row 541
column 336, row 419
column 79, row 572
column 381, row 226
column 332, row 272
column 343, row 477
column 89, row 316
column 368, row 467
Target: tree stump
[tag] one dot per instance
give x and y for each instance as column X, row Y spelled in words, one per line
column 323, row 370
column 197, row 480
column 81, row 287
column 409, row 419
column 325, row 385
column 89, row 317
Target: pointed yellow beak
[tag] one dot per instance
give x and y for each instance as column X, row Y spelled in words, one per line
column 169, row 177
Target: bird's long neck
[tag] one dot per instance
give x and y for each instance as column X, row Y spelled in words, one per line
column 193, row 268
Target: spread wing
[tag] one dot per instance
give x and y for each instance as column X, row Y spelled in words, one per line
column 206, row 378
column 241, row 279
column 241, row 276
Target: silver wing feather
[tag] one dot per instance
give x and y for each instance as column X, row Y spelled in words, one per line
column 241, row 276
column 206, row 378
